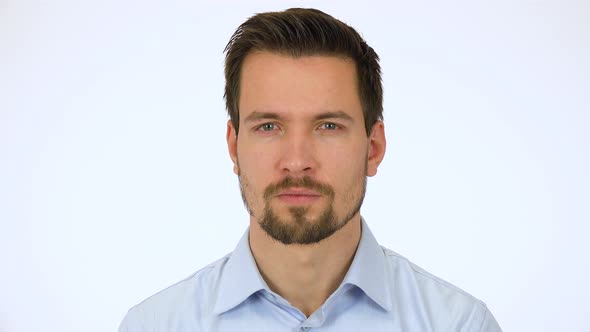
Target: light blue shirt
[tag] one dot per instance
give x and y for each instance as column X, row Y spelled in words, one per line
column 382, row 291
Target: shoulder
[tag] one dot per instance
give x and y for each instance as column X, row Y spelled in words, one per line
column 435, row 300
column 407, row 272
column 185, row 300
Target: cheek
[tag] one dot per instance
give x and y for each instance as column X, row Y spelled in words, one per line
column 344, row 160
column 344, row 170
column 254, row 163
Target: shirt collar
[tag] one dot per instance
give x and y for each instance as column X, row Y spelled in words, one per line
column 368, row 270
column 240, row 277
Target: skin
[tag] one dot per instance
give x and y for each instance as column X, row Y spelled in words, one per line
column 302, row 118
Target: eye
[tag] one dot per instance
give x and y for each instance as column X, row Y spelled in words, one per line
column 329, row 126
column 269, row 126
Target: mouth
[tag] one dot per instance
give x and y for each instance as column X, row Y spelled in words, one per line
column 298, row 196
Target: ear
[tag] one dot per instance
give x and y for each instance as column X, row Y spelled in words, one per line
column 232, row 144
column 377, row 145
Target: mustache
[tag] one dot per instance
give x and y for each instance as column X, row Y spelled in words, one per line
column 304, row 182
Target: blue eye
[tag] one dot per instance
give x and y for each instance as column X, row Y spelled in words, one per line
column 329, row 126
column 267, row 127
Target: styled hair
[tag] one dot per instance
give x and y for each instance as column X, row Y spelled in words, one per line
column 300, row 32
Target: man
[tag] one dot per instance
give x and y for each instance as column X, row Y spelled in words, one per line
column 303, row 91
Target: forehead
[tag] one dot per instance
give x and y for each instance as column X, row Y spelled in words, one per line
column 305, row 85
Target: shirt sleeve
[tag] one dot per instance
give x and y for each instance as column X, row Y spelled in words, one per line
column 129, row 324
column 123, row 327
column 489, row 323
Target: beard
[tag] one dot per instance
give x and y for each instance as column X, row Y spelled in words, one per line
column 302, row 229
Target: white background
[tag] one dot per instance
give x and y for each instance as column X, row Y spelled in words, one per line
column 115, row 181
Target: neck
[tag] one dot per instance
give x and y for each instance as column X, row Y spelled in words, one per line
column 305, row 275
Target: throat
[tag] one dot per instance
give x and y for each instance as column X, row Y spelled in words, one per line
column 305, row 275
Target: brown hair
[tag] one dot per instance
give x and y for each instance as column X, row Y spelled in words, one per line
column 303, row 32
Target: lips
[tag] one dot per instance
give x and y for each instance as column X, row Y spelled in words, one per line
column 303, row 189
column 298, row 192
column 298, row 196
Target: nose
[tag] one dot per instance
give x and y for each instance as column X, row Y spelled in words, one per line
column 298, row 155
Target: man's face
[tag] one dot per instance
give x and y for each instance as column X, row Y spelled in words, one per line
column 302, row 154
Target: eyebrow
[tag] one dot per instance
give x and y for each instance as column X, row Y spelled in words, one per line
column 256, row 115
column 334, row 115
